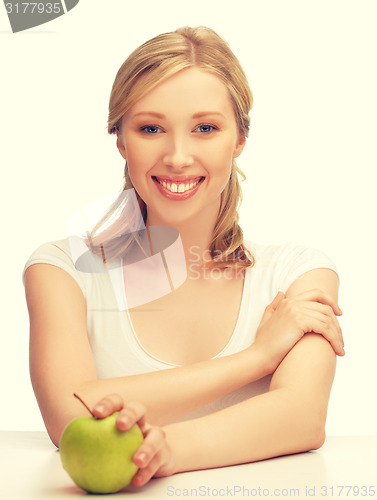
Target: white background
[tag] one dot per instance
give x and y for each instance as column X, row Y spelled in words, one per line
column 310, row 160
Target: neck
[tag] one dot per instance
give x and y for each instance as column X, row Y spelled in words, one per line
column 196, row 240
column 196, row 236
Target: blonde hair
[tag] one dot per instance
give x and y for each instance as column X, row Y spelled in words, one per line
column 149, row 65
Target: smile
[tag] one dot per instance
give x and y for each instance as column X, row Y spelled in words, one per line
column 176, row 188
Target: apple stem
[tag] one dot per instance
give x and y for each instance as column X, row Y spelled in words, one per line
column 83, row 402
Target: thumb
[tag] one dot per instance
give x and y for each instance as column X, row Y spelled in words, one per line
column 278, row 298
column 270, row 309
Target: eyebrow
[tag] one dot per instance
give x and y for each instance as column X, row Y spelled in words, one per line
column 196, row 115
column 208, row 113
column 149, row 113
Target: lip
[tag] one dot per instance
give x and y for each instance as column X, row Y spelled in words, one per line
column 181, row 179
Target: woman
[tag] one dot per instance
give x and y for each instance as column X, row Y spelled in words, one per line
column 252, row 332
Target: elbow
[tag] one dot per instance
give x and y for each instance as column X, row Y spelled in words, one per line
column 55, row 438
column 316, row 437
column 304, row 438
column 309, row 432
column 317, row 432
column 57, row 417
column 318, row 440
column 55, row 432
column 56, row 424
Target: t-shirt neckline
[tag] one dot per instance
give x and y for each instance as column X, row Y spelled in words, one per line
column 139, row 349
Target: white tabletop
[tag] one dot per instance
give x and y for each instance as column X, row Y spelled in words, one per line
column 345, row 467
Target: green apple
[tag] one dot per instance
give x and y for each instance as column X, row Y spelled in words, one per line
column 97, row 455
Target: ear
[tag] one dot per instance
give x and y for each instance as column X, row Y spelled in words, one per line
column 239, row 147
column 121, row 147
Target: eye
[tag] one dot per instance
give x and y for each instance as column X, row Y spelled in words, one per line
column 150, row 129
column 205, row 128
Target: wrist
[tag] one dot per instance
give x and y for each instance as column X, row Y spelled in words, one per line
column 260, row 360
column 172, row 438
column 181, row 439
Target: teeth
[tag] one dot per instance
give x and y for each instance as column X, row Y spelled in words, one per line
column 180, row 188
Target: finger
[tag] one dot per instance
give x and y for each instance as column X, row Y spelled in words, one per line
column 270, row 309
column 278, row 298
column 108, row 405
column 144, row 475
column 319, row 296
column 328, row 315
column 324, row 309
column 328, row 332
column 153, row 442
column 329, row 319
column 132, row 413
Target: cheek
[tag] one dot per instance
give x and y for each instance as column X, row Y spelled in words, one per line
column 220, row 155
column 140, row 156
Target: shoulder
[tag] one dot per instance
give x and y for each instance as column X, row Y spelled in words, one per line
column 59, row 248
column 284, row 264
column 63, row 254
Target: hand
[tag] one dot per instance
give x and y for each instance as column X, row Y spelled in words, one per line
column 286, row 320
column 153, row 457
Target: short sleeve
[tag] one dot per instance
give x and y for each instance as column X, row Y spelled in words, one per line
column 57, row 254
column 296, row 260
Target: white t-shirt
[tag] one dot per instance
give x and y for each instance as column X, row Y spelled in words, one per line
column 116, row 349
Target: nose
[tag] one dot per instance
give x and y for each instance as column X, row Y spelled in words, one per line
column 178, row 152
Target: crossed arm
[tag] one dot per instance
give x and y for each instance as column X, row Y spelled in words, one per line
column 289, row 418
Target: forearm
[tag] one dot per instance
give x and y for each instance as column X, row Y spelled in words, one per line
column 169, row 394
column 272, row 424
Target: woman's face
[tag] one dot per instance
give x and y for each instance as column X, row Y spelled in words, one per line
column 179, row 141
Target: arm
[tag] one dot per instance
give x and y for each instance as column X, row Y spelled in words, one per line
column 61, row 362
column 290, row 418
